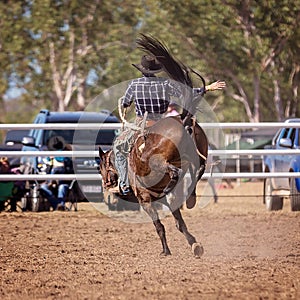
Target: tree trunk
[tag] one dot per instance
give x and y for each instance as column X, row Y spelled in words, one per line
column 80, row 97
column 277, row 101
column 81, row 92
column 256, row 82
column 295, row 82
column 58, row 89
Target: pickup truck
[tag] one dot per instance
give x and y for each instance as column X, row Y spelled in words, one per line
column 276, row 189
column 37, row 140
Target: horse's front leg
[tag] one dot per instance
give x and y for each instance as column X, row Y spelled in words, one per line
column 197, row 248
column 160, row 229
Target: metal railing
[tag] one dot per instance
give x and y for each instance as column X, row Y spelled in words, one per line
column 93, row 154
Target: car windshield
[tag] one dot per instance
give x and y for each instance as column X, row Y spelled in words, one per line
column 83, row 137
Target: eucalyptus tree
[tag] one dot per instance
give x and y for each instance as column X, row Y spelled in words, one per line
column 64, row 52
column 252, row 44
column 13, row 45
column 74, row 42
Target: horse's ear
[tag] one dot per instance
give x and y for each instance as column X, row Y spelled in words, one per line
column 101, row 153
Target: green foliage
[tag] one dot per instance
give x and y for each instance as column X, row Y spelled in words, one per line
column 50, row 48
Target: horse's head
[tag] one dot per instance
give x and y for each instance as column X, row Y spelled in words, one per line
column 107, row 169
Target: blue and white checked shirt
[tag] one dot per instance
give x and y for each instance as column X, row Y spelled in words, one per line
column 152, row 94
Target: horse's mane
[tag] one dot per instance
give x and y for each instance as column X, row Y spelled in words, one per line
column 175, row 69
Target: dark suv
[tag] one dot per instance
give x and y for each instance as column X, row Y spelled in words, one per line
column 37, row 140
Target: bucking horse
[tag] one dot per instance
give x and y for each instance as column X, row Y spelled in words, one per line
column 162, row 154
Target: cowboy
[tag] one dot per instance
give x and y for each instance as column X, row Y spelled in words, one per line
column 150, row 94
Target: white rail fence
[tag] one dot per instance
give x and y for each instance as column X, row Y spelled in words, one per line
column 92, row 154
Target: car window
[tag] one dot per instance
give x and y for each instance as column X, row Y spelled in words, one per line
column 66, row 134
column 84, row 137
column 292, row 134
column 297, row 141
column 274, row 140
column 96, row 137
column 285, row 133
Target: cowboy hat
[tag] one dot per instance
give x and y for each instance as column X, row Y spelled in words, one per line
column 56, row 143
column 148, row 65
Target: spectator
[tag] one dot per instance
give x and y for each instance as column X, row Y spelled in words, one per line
column 12, row 190
column 5, row 166
column 56, row 191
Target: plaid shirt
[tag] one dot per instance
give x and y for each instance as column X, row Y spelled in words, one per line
column 152, row 94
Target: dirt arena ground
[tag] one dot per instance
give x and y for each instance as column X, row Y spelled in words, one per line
column 249, row 253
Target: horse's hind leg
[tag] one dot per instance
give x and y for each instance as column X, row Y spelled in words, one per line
column 191, row 201
column 160, row 229
column 197, row 248
column 196, row 176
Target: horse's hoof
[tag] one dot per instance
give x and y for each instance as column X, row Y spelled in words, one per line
column 191, row 201
column 165, row 253
column 197, row 250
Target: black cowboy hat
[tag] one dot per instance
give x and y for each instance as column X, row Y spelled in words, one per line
column 56, row 143
column 149, row 65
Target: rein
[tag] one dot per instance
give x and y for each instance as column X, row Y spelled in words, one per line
column 122, row 115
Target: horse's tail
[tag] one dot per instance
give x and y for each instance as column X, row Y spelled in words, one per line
column 175, row 69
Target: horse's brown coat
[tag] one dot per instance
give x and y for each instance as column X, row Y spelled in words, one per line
column 153, row 164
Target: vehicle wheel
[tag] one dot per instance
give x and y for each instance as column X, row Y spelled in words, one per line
column 295, row 196
column 273, row 202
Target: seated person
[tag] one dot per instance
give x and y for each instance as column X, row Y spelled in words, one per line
column 57, row 165
column 12, row 190
column 5, row 166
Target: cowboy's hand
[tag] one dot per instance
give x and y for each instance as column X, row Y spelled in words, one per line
column 217, row 85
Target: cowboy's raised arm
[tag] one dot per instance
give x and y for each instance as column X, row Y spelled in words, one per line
column 217, row 85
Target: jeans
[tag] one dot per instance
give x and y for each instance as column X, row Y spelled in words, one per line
column 122, row 168
column 61, row 194
column 121, row 148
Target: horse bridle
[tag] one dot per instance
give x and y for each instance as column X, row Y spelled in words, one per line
column 109, row 170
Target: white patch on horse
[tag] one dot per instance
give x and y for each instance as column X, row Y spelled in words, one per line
column 141, row 147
